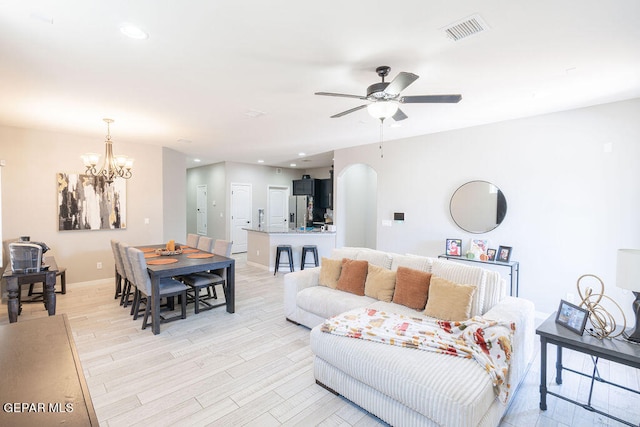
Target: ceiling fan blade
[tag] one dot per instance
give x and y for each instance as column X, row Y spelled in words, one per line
column 343, row 95
column 401, row 81
column 344, row 113
column 430, row 99
column 399, row 115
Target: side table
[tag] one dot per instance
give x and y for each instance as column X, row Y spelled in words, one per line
column 615, row 350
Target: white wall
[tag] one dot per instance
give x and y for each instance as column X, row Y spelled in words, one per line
column 570, row 203
column 29, row 197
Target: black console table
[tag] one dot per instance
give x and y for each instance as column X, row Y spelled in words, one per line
column 617, row 350
column 513, row 266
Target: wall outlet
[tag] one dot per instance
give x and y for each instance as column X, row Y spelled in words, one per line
column 99, row 265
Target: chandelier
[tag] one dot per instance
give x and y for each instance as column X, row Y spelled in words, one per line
column 114, row 166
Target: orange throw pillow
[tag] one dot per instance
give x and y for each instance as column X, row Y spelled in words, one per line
column 353, row 276
column 412, row 288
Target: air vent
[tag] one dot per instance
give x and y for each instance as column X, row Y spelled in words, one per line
column 466, row 27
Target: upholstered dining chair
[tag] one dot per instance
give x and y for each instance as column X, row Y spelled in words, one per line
column 208, row 280
column 120, row 274
column 167, row 287
column 128, row 290
column 192, row 240
column 205, row 244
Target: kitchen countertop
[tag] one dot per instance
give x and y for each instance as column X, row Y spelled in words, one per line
column 315, row 231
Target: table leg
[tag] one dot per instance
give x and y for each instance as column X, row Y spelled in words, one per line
column 559, row 366
column 155, row 305
column 231, row 288
column 543, row 373
column 13, row 289
column 49, row 290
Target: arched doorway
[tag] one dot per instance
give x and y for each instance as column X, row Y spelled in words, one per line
column 357, row 206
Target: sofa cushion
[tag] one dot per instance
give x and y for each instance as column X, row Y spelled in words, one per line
column 326, row 302
column 353, row 276
column 329, row 272
column 372, row 256
column 416, row 262
column 460, row 273
column 448, row 300
column 412, row 288
column 339, row 253
column 380, row 283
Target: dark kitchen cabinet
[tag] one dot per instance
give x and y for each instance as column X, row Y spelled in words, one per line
column 324, row 193
column 304, row 187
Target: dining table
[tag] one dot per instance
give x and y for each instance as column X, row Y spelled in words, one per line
column 188, row 262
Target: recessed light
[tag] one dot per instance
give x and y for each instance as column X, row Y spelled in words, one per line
column 302, row 154
column 196, row 160
column 133, row 32
column 293, row 165
column 260, row 161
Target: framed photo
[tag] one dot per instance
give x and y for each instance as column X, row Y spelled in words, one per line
column 504, row 254
column 454, row 247
column 572, row 317
column 491, row 254
column 479, row 245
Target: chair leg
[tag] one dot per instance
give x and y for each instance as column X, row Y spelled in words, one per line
column 135, row 306
column 183, row 303
column 275, row 269
column 126, row 290
column 31, row 289
column 146, row 315
column 118, row 285
column 196, row 298
column 290, row 253
column 303, row 260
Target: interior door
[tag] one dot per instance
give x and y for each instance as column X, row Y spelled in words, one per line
column 201, row 210
column 278, row 208
column 240, row 216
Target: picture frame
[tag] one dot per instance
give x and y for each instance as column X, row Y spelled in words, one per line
column 504, row 254
column 572, row 317
column 454, row 247
column 491, row 254
column 479, row 245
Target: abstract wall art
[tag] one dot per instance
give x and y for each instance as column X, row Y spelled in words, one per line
column 87, row 202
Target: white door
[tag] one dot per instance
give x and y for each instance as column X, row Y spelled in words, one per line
column 201, row 210
column 278, row 208
column 240, row 216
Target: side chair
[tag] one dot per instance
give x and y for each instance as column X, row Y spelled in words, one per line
column 117, row 258
column 208, row 280
column 168, row 287
column 192, row 240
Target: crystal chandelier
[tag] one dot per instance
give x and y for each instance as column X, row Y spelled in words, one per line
column 114, row 166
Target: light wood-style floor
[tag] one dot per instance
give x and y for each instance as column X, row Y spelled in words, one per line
column 253, row 368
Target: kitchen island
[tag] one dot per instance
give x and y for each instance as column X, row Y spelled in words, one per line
column 262, row 243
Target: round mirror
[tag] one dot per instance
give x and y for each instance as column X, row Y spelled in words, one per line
column 478, row 206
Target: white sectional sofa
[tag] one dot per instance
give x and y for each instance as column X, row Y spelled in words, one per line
column 405, row 386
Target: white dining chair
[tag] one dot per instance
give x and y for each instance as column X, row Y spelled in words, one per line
column 192, row 240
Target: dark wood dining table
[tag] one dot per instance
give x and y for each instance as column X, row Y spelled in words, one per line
column 183, row 266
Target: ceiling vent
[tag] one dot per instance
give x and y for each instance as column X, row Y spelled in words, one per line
column 466, row 27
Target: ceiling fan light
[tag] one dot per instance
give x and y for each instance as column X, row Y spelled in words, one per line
column 382, row 109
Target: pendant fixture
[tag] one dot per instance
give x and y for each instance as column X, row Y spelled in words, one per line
column 118, row 166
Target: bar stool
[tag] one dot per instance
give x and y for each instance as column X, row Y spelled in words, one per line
column 62, row 274
column 287, row 249
column 309, row 248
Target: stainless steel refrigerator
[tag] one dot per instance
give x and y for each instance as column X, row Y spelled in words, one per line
column 298, row 211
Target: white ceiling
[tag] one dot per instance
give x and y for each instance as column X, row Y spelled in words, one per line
column 64, row 65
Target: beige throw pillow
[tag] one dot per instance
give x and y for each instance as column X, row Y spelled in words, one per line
column 330, row 272
column 353, row 276
column 380, row 283
column 412, row 288
column 448, row 300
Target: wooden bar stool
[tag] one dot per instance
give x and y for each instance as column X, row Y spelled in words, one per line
column 62, row 273
column 287, row 249
column 312, row 249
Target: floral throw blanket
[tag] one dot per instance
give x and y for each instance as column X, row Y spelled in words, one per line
column 488, row 342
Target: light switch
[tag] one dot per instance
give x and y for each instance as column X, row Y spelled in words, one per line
column 387, row 223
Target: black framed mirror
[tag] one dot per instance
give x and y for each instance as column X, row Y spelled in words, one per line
column 478, row 207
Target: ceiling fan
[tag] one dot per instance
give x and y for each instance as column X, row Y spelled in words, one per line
column 384, row 96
